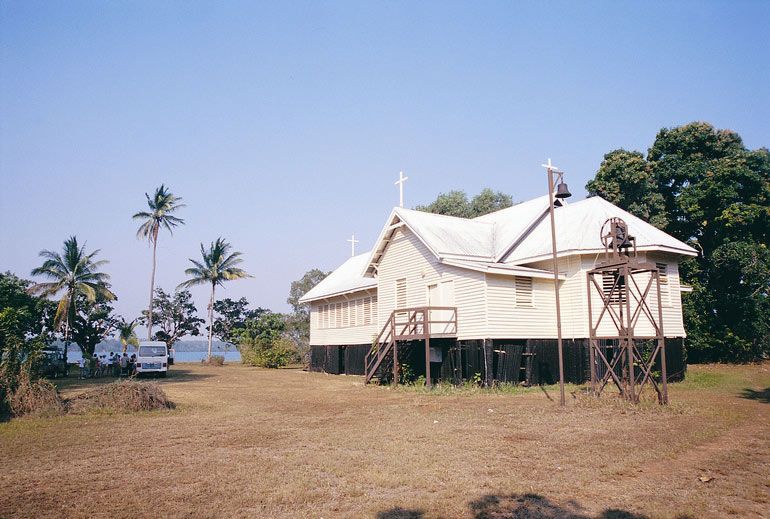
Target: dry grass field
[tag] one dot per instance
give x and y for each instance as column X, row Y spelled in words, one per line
column 246, row 442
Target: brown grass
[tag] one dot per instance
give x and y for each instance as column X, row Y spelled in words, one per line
column 248, row 442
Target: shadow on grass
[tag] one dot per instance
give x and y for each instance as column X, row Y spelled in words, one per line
column 763, row 395
column 522, row 506
column 400, row 513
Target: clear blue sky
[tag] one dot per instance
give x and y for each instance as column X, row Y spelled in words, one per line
column 284, row 124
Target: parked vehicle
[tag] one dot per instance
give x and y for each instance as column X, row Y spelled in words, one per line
column 152, row 357
column 52, row 364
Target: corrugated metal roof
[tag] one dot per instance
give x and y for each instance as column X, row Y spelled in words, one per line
column 345, row 278
column 578, row 227
column 450, row 235
column 511, row 223
column 499, row 240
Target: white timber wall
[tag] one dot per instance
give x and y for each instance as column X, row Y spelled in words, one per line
column 344, row 320
column 511, row 316
column 406, row 257
column 574, row 297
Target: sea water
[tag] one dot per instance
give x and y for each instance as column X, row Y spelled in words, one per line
column 179, row 356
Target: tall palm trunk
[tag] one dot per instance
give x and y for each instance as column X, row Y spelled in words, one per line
column 152, row 285
column 66, row 337
column 211, row 317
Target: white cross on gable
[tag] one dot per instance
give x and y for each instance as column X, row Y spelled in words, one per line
column 353, row 242
column 400, row 184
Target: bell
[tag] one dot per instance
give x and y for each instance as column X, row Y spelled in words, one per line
column 562, row 191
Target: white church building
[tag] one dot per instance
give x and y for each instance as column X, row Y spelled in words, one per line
column 487, row 287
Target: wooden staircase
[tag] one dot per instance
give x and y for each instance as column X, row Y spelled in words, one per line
column 408, row 324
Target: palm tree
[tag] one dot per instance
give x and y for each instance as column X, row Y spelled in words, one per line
column 127, row 335
column 73, row 272
column 218, row 266
column 161, row 204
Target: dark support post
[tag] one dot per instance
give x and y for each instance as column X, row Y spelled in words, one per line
column 426, row 330
column 487, row 345
column 395, row 346
column 591, row 334
column 395, row 362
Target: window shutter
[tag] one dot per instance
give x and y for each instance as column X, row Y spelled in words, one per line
column 338, row 316
column 400, row 293
column 523, row 291
column 368, row 310
column 608, row 281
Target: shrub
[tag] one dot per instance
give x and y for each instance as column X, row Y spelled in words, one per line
column 214, row 360
column 275, row 354
column 121, row 397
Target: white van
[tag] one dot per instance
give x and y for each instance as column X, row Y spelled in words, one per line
column 152, row 357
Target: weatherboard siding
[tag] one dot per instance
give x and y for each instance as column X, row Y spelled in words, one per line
column 406, row 257
column 574, row 305
column 344, row 335
column 511, row 319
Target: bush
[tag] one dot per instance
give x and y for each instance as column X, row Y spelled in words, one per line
column 121, row 397
column 35, row 398
column 214, row 360
column 271, row 355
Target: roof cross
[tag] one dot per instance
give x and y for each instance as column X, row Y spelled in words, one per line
column 353, row 242
column 400, row 184
column 550, row 167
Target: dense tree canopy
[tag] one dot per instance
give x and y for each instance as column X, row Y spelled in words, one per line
column 175, row 315
column 456, row 203
column 703, row 186
column 625, row 179
column 298, row 322
column 232, row 316
column 26, row 325
column 93, row 322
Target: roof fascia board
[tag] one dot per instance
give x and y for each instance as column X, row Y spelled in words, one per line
column 391, row 227
column 574, row 252
column 491, row 269
column 375, row 250
column 338, row 294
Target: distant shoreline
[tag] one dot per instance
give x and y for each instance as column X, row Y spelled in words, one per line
column 181, row 346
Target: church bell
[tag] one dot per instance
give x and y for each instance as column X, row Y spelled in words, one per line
column 562, row 191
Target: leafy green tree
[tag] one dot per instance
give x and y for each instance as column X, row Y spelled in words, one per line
column 175, row 314
column 161, row 206
column 625, row 179
column 263, row 341
column 217, row 266
column 489, row 201
column 298, row 323
column 93, row 322
column 714, row 193
column 453, row 203
column 456, row 203
column 72, row 273
column 262, row 331
column 26, row 324
column 127, row 334
column 232, row 316
column 33, row 315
